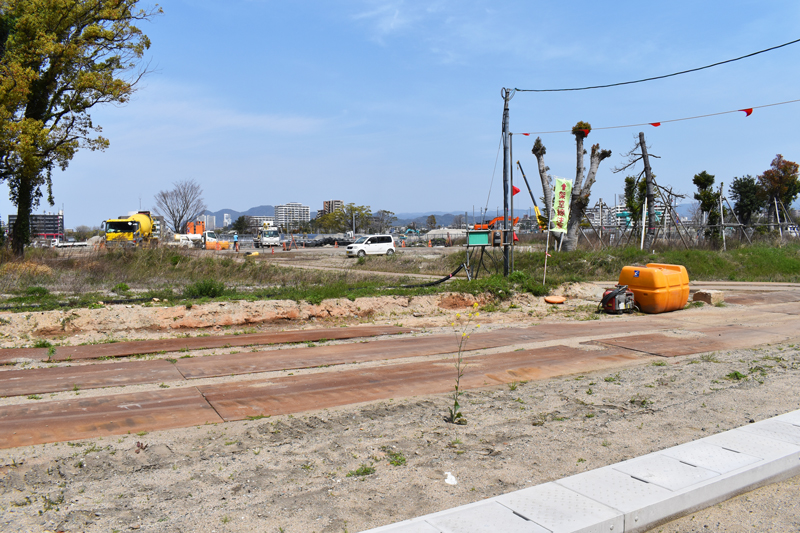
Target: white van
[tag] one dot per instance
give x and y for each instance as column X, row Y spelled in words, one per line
column 371, row 245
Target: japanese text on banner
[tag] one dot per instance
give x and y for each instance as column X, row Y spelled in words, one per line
column 561, row 200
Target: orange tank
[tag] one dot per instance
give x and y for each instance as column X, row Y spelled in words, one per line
column 657, row 288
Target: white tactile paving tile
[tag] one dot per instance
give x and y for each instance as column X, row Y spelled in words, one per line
column 561, row 510
column 664, row 471
column 752, row 444
column 615, row 489
column 711, row 457
column 416, row 526
column 775, row 429
column 791, row 418
column 491, row 517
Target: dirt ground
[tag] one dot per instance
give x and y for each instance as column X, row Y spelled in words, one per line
column 354, row 468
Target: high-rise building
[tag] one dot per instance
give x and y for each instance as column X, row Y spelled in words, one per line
column 210, row 221
column 329, row 206
column 291, row 214
column 47, row 226
column 226, row 220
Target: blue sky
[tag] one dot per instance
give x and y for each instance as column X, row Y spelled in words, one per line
column 396, row 104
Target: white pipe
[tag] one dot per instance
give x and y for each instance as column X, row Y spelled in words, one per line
column 644, row 214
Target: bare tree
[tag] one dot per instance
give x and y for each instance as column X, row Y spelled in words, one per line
column 580, row 189
column 181, row 205
column 644, row 157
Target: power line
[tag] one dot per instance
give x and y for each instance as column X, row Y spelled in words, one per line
column 747, row 111
column 657, row 77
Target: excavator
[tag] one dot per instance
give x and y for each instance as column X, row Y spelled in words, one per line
column 494, row 222
column 539, row 218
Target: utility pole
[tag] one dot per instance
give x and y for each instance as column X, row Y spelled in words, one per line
column 507, row 94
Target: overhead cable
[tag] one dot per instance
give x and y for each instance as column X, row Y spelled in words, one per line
column 658, row 77
column 747, row 111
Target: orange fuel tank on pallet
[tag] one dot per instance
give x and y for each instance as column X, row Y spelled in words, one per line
column 657, row 288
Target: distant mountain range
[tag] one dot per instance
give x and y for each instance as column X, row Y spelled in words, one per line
column 260, row 211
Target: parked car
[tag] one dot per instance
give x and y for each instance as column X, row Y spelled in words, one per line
column 371, row 245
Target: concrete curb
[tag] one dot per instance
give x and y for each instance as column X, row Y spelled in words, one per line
column 637, row 494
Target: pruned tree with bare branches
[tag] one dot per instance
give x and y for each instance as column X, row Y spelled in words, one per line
column 581, row 188
column 181, row 205
column 636, row 154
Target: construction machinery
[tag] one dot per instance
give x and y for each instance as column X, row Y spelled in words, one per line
column 542, row 221
column 494, row 222
column 267, row 236
column 133, row 230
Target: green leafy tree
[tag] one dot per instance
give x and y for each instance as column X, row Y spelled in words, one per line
column 635, row 194
column 748, row 198
column 780, row 183
column 327, row 223
column 709, row 203
column 241, row 224
column 385, row 220
column 361, row 214
column 59, row 59
column 431, row 222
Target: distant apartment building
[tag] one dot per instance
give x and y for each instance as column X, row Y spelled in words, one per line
column 209, row 220
column 257, row 221
column 329, row 206
column 226, row 220
column 46, row 226
column 291, row 215
column 619, row 216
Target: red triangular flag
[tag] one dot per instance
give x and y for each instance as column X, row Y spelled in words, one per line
column 586, row 132
column 748, row 111
column 526, row 134
column 514, row 190
column 655, row 124
column 515, row 236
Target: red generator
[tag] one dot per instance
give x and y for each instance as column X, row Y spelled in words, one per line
column 618, row 300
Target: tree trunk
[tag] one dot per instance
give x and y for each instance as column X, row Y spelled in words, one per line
column 21, row 232
column 651, row 197
column 547, row 182
column 581, row 191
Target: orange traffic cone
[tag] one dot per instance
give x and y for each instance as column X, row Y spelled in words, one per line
column 429, row 243
column 404, row 244
column 273, row 249
column 335, row 244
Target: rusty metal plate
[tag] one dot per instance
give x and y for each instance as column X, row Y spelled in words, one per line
column 84, row 418
column 272, row 360
column 18, row 383
column 124, row 349
column 275, row 360
column 292, row 394
column 716, row 339
column 762, row 298
column 42, row 380
column 792, row 308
